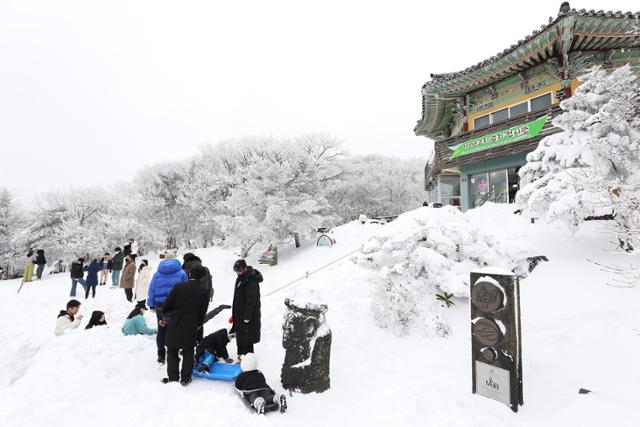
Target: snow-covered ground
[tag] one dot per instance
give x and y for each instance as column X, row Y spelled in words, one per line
column 577, row 332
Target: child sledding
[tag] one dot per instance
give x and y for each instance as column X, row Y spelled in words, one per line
column 253, row 387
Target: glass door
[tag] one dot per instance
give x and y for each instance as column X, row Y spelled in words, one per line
column 479, row 189
column 499, row 191
column 489, row 187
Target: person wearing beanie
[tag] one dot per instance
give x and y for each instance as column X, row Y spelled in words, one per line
column 169, row 254
column 168, row 274
column 135, row 324
column 69, row 318
column 116, row 267
column 245, row 315
column 97, row 319
column 252, row 385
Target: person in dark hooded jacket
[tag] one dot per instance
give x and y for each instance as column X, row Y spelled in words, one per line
column 77, row 275
column 116, row 267
column 41, row 262
column 92, row 277
column 216, row 346
column 246, row 307
column 97, row 319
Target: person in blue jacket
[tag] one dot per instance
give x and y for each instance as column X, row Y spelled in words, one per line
column 92, row 277
column 168, row 274
column 135, row 324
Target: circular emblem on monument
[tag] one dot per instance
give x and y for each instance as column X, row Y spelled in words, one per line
column 486, row 331
column 487, row 297
column 489, row 354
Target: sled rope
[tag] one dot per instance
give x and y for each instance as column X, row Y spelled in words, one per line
column 309, row 273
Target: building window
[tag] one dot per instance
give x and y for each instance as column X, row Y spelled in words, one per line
column 500, row 116
column 518, row 109
column 533, row 104
column 541, row 102
column 482, row 121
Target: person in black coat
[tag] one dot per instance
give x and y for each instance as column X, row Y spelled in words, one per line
column 253, row 387
column 183, row 313
column 41, row 262
column 216, row 344
column 246, row 307
column 190, row 260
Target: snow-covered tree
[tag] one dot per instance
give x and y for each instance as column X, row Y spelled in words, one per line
column 378, row 186
column 279, row 188
column 11, row 225
column 592, row 167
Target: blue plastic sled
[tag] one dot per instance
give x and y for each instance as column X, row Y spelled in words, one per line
column 217, row 371
column 220, row 371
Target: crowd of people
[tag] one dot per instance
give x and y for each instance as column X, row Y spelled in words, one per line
column 179, row 294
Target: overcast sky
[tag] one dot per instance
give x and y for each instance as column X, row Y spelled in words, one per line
column 92, row 91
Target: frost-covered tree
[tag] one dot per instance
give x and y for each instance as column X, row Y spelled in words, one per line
column 11, row 225
column 82, row 222
column 378, row 186
column 279, row 188
column 593, row 166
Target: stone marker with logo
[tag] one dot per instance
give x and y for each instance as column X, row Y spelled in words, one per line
column 496, row 350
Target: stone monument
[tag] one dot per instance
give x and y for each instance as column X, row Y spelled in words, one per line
column 307, row 340
column 496, row 349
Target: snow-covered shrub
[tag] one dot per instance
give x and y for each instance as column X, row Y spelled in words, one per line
column 424, row 252
column 592, row 167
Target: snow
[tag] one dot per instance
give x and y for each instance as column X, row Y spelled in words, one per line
column 493, row 270
column 577, row 332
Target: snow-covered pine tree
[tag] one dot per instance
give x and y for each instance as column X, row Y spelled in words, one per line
column 592, row 167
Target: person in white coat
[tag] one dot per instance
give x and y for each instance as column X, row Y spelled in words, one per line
column 69, row 318
column 142, row 282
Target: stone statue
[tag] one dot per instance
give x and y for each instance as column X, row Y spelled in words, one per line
column 307, row 340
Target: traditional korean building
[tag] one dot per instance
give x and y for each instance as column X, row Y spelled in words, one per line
column 486, row 118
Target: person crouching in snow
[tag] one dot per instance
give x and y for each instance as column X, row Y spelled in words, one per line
column 135, row 324
column 252, row 385
column 97, row 319
column 213, row 347
column 69, row 318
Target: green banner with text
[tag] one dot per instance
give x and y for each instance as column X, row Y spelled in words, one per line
column 497, row 139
